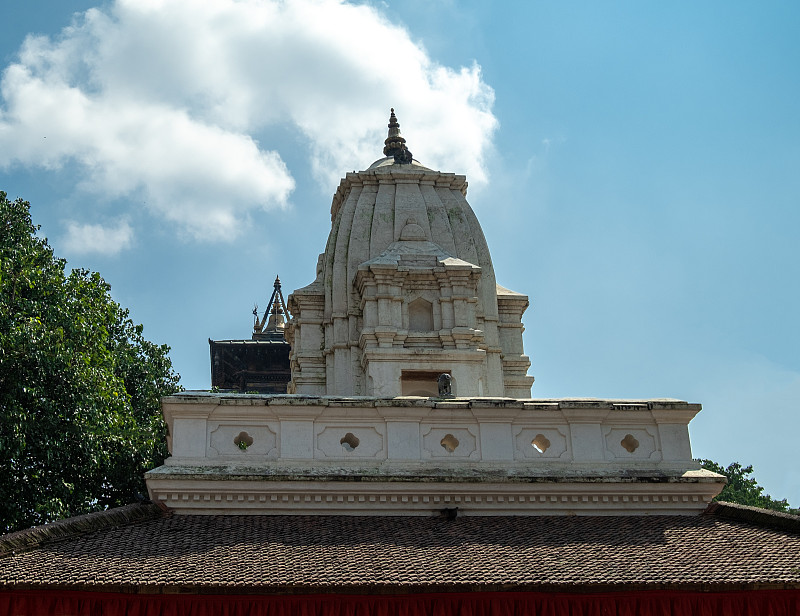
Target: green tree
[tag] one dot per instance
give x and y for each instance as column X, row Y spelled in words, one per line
column 80, row 418
column 743, row 489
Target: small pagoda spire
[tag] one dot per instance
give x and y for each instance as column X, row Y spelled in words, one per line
column 395, row 144
column 272, row 324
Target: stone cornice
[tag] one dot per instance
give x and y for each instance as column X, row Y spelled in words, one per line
column 202, row 405
column 209, row 493
column 193, row 397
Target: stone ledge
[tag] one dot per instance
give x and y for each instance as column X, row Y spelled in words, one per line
column 193, row 496
column 612, row 404
column 460, row 473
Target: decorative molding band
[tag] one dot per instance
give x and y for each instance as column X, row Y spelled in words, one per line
column 248, row 497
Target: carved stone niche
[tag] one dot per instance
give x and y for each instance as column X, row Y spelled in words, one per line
column 422, row 311
column 420, row 315
column 422, row 382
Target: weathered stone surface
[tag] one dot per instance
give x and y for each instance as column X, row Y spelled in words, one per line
column 488, row 455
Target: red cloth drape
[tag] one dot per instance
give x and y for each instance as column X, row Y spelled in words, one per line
column 644, row 603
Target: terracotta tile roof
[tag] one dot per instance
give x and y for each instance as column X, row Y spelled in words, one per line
column 152, row 552
column 61, row 529
column 762, row 517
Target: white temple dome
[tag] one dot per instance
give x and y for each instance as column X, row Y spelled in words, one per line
column 376, row 215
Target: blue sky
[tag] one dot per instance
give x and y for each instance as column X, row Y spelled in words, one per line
column 635, row 167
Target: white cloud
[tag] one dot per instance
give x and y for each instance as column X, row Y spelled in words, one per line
column 88, row 238
column 161, row 98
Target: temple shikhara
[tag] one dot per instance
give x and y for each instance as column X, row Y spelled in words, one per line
column 405, row 291
column 389, row 459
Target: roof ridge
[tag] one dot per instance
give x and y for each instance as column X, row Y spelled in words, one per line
column 24, row 540
column 754, row 515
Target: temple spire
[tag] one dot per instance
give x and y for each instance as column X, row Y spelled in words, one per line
column 395, row 144
column 274, row 316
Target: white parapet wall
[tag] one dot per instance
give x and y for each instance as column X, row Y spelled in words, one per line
column 293, row 454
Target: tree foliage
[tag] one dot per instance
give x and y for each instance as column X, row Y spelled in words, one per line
column 743, row 489
column 80, row 418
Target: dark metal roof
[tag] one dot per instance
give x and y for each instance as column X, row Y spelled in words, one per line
column 143, row 548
